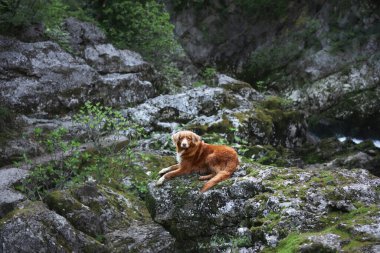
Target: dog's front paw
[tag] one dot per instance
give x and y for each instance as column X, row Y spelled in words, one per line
column 160, row 181
column 163, row 171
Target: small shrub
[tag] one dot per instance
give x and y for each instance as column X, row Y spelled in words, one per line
column 69, row 165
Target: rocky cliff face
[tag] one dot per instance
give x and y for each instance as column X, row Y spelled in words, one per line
column 41, row 78
column 321, row 54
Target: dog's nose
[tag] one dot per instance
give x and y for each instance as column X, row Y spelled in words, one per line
column 184, row 144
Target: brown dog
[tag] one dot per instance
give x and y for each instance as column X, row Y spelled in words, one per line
column 193, row 155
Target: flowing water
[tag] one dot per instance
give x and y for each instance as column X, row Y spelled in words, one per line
column 357, row 140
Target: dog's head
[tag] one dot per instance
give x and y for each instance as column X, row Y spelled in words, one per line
column 185, row 140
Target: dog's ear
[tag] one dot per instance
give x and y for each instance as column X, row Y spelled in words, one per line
column 196, row 138
column 175, row 138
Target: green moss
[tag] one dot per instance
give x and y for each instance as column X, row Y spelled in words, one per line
column 288, row 245
column 264, row 120
column 275, row 102
column 236, row 87
column 63, row 202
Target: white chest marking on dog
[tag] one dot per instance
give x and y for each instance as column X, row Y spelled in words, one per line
column 178, row 157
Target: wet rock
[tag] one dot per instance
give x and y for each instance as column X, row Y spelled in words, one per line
column 33, row 227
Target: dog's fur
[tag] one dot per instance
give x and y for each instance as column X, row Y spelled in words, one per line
column 193, row 155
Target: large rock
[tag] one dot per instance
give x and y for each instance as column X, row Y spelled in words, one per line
column 235, row 109
column 34, row 228
column 120, row 219
column 41, row 77
column 265, row 205
column 105, row 58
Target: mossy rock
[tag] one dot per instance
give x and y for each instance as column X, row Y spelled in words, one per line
column 273, row 121
column 97, row 209
column 33, row 228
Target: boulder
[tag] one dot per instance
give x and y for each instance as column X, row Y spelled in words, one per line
column 42, row 78
column 120, row 219
column 272, row 203
column 34, row 228
column 105, row 58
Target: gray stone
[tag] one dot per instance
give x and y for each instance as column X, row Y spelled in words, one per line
column 331, row 241
column 325, row 243
column 34, row 228
column 83, row 33
column 9, row 198
column 146, row 238
column 271, row 209
column 206, row 109
column 41, row 76
column 225, row 80
column 369, row 230
column 8, row 177
column 126, row 89
column 105, row 58
column 123, row 221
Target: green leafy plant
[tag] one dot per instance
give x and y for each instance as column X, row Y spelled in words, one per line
column 209, row 75
column 143, row 26
column 18, row 13
column 96, row 121
column 69, row 165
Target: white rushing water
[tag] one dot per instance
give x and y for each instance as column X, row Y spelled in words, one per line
column 357, row 141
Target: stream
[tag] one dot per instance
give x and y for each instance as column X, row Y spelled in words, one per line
column 357, row 140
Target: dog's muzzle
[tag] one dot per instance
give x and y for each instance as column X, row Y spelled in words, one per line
column 184, row 144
